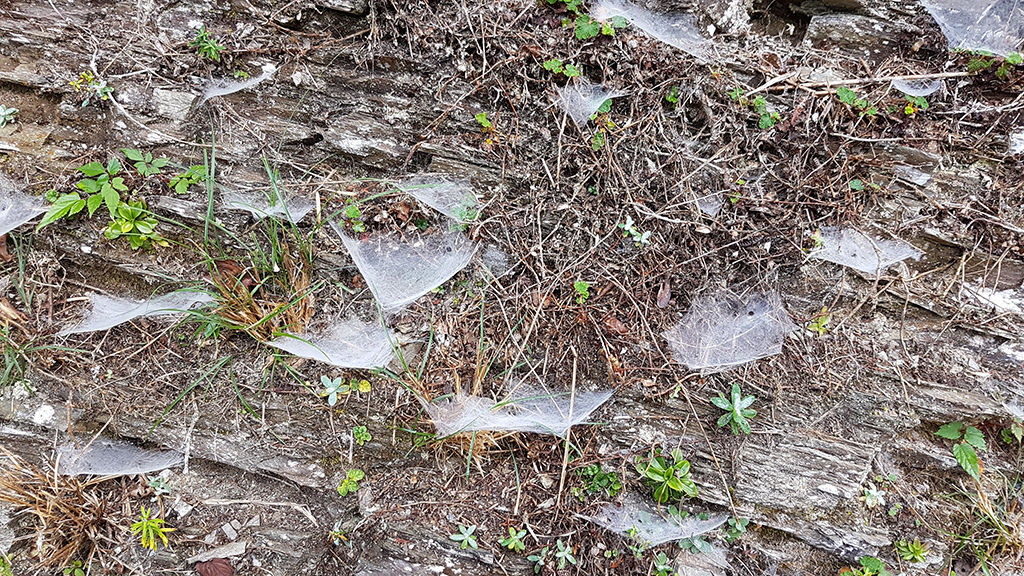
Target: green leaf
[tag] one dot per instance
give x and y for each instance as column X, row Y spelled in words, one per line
column 114, row 166
column 1014, row 58
column 571, row 71
column 160, row 162
column 94, row 202
column 975, row 438
column 92, row 169
column 951, row 430
column 725, row 419
column 587, row 27
column 144, row 227
column 620, row 22
column 118, row 184
column 132, row 154
column 112, row 199
column 605, row 106
column 65, row 205
column 846, row 96
column 554, row 65
column 721, row 402
column 968, row 459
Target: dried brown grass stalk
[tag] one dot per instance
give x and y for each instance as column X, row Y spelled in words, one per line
column 241, row 303
column 70, row 516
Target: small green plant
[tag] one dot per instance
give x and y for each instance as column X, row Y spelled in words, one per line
column 873, row 496
column 564, row 554
column 465, row 537
column 735, row 529
column 150, row 530
column 639, row 238
column 964, row 451
column 597, row 141
column 206, row 46
column 819, row 323
column 92, row 86
column 136, row 223
column 696, row 545
column 159, row 485
column 514, row 542
column 1003, row 72
column 145, row 163
column 193, row 175
column 7, row 115
column 849, row 97
column 582, row 291
column 338, row 387
column 597, row 481
column 976, row 65
column 871, row 566
column 555, row 65
column 360, row 435
column 350, row 485
column 673, row 96
column 75, row 569
column 240, row 74
column 538, row 559
column 767, row 118
column 915, row 104
column 1014, row 432
column 669, row 480
column 485, row 124
column 353, row 213
column 737, row 410
column 663, row 566
column 105, row 188
column 911, row 551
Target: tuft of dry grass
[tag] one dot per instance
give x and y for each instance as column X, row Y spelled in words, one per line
column 72, row 520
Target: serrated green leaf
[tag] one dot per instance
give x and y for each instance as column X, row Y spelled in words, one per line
column 112, row 199
column 132, row 154
column 92, row 169
column 950, row 431
column 587, row 27
column 65, row 205
column 968, row 459
column 94, row 202
column 554, row 65
column 605, row 107
column 571, row 71
column 118, row 184
column 114, row 166
column 975, row 438
column 89, row 186
column 160, row 162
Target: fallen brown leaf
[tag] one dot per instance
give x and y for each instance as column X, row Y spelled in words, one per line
column 215, row 567
column 614, row 325
column 5, row 256
column 664, row 294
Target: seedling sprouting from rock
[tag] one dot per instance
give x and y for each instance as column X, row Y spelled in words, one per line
column 964, row 452
column 737, row 410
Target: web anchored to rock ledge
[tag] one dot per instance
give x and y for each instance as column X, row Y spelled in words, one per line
column 724, row 330
column 529, row 409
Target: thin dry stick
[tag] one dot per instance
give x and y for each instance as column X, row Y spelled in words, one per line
column 568, row 432
column 711, row 450
column 883, row 79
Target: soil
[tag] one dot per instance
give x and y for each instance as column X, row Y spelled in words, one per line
column 365, row 94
